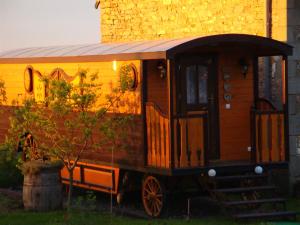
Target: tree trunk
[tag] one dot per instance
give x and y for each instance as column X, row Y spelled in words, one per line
column 70, row 188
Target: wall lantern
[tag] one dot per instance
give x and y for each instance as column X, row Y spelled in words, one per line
column 244, row 66
column 162, row 69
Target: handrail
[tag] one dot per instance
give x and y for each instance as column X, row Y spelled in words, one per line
column 157, row 108
column 266, row 101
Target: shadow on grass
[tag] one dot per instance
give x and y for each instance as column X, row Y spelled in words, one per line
column 85, row 214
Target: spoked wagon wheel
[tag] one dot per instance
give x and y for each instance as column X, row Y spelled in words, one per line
column 153, row 195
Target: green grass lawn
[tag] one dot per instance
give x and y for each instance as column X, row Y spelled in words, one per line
column 79, row 218
column 10, row 214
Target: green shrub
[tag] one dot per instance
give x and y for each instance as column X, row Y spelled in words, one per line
column 10, row 175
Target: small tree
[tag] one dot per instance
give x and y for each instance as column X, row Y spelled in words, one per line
column 3, row 97
column 66, row 124
column 10, row 176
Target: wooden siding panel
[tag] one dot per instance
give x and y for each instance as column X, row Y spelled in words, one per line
column 183, row 141
column 153, row 137
column 190, row 142
column 13, row 75
column 258, row 138
column 128, row 153
column 270, row 136
column 176, row 146
column 162, row 142
column 265, row 143
column 195, row 140
column 275, row 138
column 149, row 136
column 158, row 132
column 94, row 177
column 158, row 137
column 235, row 122
column 157, row 87
column 167, row 145
column 282, row 139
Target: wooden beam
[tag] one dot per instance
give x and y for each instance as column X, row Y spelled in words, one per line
column 286, row 110
column 143, row 72
column 170, row 77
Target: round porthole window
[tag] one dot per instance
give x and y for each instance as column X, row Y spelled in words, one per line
column 128, row 77
column 28, row 79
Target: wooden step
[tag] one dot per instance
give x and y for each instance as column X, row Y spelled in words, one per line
column 259, row 201
column 266, row 215
column 240, row 177
column 244, row 189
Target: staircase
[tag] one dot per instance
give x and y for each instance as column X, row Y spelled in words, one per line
column 248, row 196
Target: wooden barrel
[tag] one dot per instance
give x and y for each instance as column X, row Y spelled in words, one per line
column 42, row 190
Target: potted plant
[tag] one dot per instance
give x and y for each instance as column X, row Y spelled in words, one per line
column 62, row 128
column 42, row 189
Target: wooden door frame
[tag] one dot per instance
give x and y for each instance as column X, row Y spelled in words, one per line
column 286, row 109
column 213, row 139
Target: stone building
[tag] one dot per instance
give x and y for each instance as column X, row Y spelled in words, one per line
column 128, row 20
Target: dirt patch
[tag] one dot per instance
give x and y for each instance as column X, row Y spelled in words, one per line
column 11, row 193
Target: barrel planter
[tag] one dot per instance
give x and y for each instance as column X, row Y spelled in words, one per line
column 42, row 188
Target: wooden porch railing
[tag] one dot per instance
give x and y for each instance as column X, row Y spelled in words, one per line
column 269, row 136
column 190, row 140
column 157, row 137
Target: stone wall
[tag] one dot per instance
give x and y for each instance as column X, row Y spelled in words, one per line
column 279, row 20
column 127, row 20
column 293, row 36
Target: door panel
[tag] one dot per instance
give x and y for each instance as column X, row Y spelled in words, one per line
column 190, row 147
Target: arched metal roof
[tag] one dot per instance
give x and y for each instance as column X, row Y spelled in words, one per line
column 158, row 49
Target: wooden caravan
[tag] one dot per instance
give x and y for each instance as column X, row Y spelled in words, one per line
column 199, row 104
